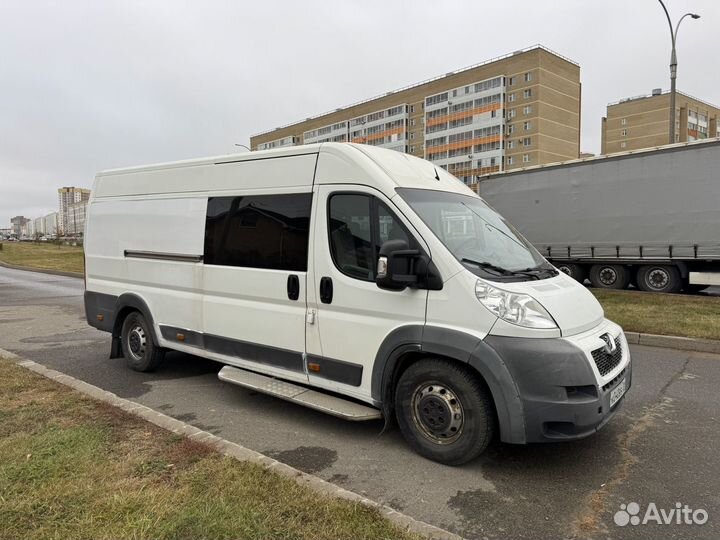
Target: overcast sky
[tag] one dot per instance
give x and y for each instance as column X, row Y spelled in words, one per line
column 92, row 85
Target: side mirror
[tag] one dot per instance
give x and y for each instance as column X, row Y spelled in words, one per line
column 396, row 266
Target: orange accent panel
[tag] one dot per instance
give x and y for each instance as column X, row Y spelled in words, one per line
column 463, row 114
column 462, row 144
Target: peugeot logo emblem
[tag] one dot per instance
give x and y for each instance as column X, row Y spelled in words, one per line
column 610, row 346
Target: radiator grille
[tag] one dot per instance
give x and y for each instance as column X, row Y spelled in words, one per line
column 606, row 362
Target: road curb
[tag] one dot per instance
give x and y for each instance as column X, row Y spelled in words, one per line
column 232, row 449
column 43, row 270
column 674, row 342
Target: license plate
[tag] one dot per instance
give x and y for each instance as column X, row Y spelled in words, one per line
column 617, row 392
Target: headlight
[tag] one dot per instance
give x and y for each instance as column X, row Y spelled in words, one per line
column 515, row 308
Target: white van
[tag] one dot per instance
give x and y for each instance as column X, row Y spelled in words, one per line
column 358, row 281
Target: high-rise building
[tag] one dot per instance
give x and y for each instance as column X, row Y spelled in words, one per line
column 643, row 121
column 51, row 224
column 39, row 226
column 75, row 224
column 66, row 197
column 19, row 224
column 518, row 110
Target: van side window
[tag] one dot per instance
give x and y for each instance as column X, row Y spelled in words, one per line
column 389, row 227
column 259, row 231
column 350, row 235
column 358, row 225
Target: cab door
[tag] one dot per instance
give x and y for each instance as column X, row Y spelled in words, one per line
column 349, row 316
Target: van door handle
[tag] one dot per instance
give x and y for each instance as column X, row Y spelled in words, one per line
column 326, row 290
column 293, row 287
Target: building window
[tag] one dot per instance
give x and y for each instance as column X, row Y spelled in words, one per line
column 510, row 160
column 623, row 132
column 412, row 108
column 511, row 128
column 527, row 141
column 511, row 97
column 511, row 144
column 511, row 113
column 527, row 93
column 412, row 135
column 527, row 126
column 528, row 77
column 526, row 158
column 623, row 121
column 412, row 149
column 511, row 81
column 527, row 109
column 258, row 231
column 412, row 121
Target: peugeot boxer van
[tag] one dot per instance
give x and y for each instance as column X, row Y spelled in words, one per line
column 358, row 281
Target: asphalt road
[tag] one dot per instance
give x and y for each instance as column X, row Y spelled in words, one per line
column 661, row 448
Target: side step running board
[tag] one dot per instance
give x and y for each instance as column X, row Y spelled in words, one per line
column 335, row 406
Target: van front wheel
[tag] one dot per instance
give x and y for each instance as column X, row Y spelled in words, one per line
column 444, row 411
column 140, row 351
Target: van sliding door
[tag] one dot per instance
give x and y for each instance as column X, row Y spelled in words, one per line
column 256, row 252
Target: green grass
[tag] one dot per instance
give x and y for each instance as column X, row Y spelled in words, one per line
column 71, row 467
column 667, row 314
column 43, row 255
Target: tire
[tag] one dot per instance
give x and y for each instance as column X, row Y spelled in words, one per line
column 659, row 278
column 429, row 396
column 609, row 276
column 575, row 271
column 138, row 345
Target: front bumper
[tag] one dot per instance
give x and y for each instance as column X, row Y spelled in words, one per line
column 563, row 393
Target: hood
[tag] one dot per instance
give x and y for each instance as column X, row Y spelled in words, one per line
column 574, row 308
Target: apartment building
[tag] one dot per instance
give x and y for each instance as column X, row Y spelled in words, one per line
column 66, row 197
column 515, row 111
column 642, row 121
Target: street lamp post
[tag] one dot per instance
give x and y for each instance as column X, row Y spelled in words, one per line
column 673, row 66
column 243, row 146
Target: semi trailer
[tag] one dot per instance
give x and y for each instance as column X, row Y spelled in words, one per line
column 647, row 218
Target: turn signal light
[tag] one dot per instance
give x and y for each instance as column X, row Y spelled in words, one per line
column 100, row 317
column 180, row 337
column 312, row 366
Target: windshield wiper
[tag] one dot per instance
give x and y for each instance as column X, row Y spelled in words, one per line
column 536, row 271
column 489, row 266
column 529, row 272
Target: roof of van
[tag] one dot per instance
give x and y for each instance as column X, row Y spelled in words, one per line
column 298, row 168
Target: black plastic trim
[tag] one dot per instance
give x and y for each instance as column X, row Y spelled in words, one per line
column 244, row 350
column 337, row 370
column 156, row 255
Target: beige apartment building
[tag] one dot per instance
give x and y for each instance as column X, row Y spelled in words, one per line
column 642, row 121
column 518, row 110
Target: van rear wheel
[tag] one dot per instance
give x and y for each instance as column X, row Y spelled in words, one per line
column 140, row 351
column 444, row 411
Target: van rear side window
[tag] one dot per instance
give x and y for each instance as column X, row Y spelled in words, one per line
column 259, row 231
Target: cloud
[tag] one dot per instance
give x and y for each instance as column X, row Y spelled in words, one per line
column 88, row 86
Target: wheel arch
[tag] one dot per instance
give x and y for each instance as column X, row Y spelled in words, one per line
column 408, row 344
column 126, row 304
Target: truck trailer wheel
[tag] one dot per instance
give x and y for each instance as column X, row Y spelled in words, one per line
column 575, row 271
column 444, row 411
column 659, row 278
column 609, row 276
column 140, row 351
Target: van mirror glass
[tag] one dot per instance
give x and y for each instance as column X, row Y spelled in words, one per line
column 396, row 266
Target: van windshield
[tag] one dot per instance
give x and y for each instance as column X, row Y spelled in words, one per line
column 479, row 237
